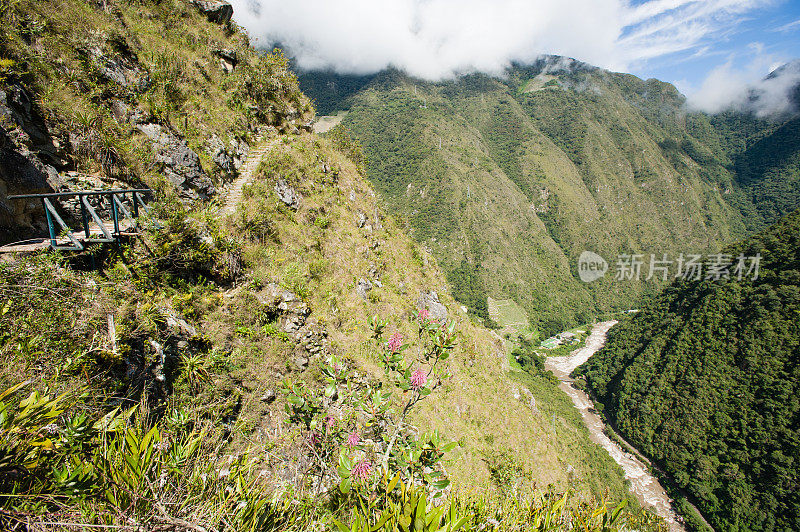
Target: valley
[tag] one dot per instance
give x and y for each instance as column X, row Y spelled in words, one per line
column 507, row 180
column 385, row 296
column 643, row 484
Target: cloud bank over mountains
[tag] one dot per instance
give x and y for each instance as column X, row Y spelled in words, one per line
column 438, row 39
column 749, row 90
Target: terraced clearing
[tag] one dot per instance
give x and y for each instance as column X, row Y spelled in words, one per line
column 510, row 316
column 324, row 124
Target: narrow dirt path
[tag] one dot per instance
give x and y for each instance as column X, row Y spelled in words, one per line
column 234, row 191
column 644, row 486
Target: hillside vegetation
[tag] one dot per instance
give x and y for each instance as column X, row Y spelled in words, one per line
column 131, row 93
column 508, row 180
column 704, row 380
column 293, row 364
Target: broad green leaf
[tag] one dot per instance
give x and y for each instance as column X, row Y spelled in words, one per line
column 393, row 483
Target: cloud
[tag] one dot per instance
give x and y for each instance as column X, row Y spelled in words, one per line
column 791, row 26
column 436, row 39
column 749, row 88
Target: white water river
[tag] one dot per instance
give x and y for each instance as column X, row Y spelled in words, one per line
column 644, row 486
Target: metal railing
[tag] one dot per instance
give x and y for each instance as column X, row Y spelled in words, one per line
column 116, row 199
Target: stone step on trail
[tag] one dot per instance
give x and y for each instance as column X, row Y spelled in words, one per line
column 235, row 190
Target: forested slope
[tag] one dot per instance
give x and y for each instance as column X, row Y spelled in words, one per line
column 705, row 380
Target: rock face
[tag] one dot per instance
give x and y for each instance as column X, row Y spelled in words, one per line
column 287, row 194
column 181, row 164
column 120, row 70
column 217, row 11
column 229, row 159
column 430, row 301
column 28, row 159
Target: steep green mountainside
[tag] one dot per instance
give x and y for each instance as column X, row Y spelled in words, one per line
column 765, row 157
column 508, row 180
column 252, row 365
column 704, row 380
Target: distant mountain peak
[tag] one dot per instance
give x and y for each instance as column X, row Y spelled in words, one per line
column 777, row 96
column 791, row 68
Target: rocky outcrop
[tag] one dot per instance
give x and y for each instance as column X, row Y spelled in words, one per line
column 287, row 194
column 120, row 70
column 227, row 59
column 29, row 155
column 181, row 164
column 363, row 287
column 369, row 224
column 292, row 315
column 430, row 300
column 360, row 218
column 229, row 159
column 217, row 11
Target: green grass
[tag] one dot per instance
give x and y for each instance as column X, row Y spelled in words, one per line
column 564, row 424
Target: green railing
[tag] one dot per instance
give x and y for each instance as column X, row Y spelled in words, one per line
column 120, row 212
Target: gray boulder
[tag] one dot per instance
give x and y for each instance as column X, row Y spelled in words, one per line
column 219, row 155
column 217, row 11
column 287, row 194
column 227, row 59
column 119, row 70
column 363, row 287
column 360, row 218
column 430, row 301
column 239, row 150
column 229, row 159
column 269, row 396
column 181, row 164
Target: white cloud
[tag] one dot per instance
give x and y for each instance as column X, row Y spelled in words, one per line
column 747, row 88
column 791, row 26
column 435, row 39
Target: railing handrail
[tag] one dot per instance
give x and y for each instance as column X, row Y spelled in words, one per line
column 83, row 193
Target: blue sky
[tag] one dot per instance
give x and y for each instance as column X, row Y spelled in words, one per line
column 711, row 49
column 750, row 44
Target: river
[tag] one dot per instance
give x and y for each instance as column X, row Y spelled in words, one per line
column 645, row 487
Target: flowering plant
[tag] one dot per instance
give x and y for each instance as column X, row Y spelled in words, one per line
column 357, row 419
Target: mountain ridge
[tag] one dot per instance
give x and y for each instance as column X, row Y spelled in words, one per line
column 604, row 161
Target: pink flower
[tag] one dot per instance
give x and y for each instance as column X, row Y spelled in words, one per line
column 362, row 470
column 330, row 421
column 353, row 439
column 395, row 342
column 423, row 314
column 418, row 378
